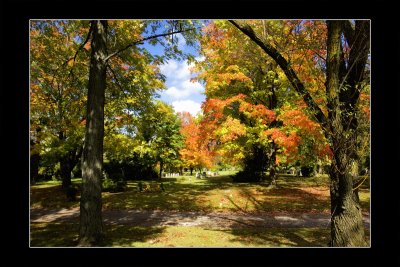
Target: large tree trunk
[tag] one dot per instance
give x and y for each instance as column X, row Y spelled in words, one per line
column 91, row 225
column 347, row 227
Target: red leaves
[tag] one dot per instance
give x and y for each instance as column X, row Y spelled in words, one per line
column 258, row 111
column 195, row 152
column 289, row 142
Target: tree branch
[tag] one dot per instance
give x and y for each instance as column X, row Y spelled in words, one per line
column 287, row 69
column 116, row 79
column 145, row 39
column 86, row 40
column 348, row 32
column 74, row 57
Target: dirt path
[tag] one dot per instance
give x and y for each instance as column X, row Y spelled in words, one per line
column 200, row 219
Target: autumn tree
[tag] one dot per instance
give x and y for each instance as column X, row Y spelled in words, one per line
column 246, row 90
column 345, row 69
column 196, row 153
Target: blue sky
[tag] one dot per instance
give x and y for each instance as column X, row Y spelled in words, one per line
column 181, row 93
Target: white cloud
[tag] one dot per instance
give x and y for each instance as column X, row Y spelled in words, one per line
column 186, row 89
column 200, row 58
column 179, row 84
column 187, row 105
column 181, row 41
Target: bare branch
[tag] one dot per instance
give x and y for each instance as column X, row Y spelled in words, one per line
column 81, row 46
column 145, row 39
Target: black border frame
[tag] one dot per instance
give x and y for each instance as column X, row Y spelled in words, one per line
column 385, row 99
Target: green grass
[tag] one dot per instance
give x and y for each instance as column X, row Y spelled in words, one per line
column 66, row 234
column 185, row 193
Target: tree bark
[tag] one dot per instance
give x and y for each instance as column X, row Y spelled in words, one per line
column 91, row 225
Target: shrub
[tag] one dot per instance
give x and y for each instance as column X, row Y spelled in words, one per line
column 307, row 171
column 247, row 176
column 112, row 186
column 130, row 169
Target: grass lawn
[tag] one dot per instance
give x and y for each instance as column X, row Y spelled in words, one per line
column 185, row 193
column 291, row 194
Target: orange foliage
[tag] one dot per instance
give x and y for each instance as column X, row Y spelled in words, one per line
column 87, row 46
column 195, row 152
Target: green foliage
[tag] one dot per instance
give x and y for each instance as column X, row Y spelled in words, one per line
column 307, row 171
column 113, row 186
column 248, row 176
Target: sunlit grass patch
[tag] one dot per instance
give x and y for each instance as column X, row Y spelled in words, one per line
column 66, row 234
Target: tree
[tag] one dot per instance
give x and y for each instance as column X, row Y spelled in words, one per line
column 245, row 88
column 91, row 230
column 57, row 94
column 91, row 224
column 195, row 153
column 159, row 130
column 347, row 54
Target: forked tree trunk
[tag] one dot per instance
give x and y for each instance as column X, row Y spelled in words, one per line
column 346, row 224
column 91, row 225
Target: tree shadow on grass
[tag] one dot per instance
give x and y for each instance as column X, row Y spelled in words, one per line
column 65, row 234
column 273, row 237
column 177, row 196
column 283, row 199
column 51, row 197
column 53, row 234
